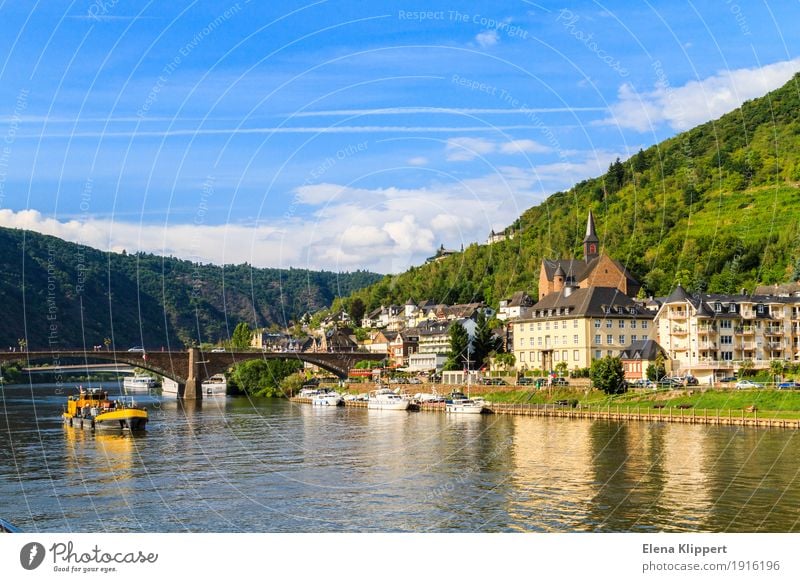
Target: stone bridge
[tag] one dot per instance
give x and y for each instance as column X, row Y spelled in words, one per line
column 189, row 368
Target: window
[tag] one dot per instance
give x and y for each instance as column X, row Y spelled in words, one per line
column 531, row 342
column 597, row 339
column 575, row 339
column 575, row 323
column 539, row 326
column 539, row 341
column 760, row 309
column 644, row 325
column 598, row 354
column 538, row 356
column 555, row 355
column 555, row 340
column 575, row 355
column 522, row 356
column 718, row 307
column 530, row 327
column 622, row 340
column 726, row 340
column 609, row 339
column 725, row 324
column 610, row 353
column 622, row 324
column 633, row 324
column 564, row 355
column 555, row 325
column 727, row 356
column 547, row 325
column 597, row 324
column 634, row 338
column 609, row 323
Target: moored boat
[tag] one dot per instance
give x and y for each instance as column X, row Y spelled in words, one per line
column 385, row 399
column 141, row 382
column 216, row 385
column 463, row 405
column 327, row 399
column 93, row 409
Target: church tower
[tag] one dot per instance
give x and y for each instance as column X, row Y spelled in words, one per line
column 591, row 244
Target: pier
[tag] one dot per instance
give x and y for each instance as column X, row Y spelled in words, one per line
column 673, row 414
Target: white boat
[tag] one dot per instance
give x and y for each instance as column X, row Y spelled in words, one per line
column 215, row 386
column 385, row 399
column 464, row 406
column 139, row 382
column 327, row 399
column 169, row 387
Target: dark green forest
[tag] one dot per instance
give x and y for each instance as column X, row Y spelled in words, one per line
column 716, row 208
column 63, row 295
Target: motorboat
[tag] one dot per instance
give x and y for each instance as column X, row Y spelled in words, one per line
column 327, row 399
column 94, row 409
column 464, row 406
column 216, row 385
column 140, row 382
column 386, row 399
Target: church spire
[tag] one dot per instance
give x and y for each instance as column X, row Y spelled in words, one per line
column 591, row 243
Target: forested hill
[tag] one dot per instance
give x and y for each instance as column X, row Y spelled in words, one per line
column 75, row 296
column 716, row 208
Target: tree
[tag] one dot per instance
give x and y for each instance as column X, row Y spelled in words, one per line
column 263, row 377
column 107, row 343
column 357, row 310
column 485, row 342
column 23, row 343
column 242, row 336
column 776, row 368
column 506, row 360
column 607, row 375
column 561, row 368
column 459, row 344
column 746, row 368
column 656, row 371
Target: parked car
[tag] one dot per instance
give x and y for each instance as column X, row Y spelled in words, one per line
column 414, row 381
column 526, row 381
column 788, row 386
column 136, row 349
column 747, row 385
column 643, row 383
column 669, row 382
column 493, row 382
column 217, row 350
column 691, row 381
column 728, row 379
column 560, row 382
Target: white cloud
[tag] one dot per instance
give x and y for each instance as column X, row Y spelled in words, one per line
column 696, row 102
column 523, row 146
column 464, row 149
column 418, row 161
column 487, row 38
column 332, row 226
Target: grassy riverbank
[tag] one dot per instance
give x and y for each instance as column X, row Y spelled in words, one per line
column 772, row 403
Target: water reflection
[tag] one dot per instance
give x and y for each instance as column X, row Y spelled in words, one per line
column 238, row 464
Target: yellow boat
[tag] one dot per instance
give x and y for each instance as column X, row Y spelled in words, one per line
column 93, row 409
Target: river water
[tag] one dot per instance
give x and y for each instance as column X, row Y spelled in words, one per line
column 262, row 465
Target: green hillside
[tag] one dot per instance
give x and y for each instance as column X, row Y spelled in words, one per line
column 716, row 208
column 74, row 296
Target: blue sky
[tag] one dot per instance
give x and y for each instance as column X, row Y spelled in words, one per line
column 346, row 135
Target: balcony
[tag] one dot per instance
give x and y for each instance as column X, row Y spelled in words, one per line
column 707, row 346
column 774, row 345
column 773, row 331
column 746, row 330
column 748, row 345
column 678, row 314
column 678, row 330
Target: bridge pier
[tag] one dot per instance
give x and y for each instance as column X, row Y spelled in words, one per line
column 193, row 389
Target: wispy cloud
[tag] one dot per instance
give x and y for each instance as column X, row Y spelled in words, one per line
column 695, row 102
column 280, row 130
column 487, row 38
column 444, row 110
column 464, row 149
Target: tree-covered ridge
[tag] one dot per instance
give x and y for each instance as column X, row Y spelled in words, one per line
column 716, row 208
column 75, row 295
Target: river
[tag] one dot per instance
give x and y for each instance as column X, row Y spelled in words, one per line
column 263, row 465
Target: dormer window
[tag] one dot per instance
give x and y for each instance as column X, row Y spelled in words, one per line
column 732, row 308
column 718, row 307
column 606, row 309
column 760, row 309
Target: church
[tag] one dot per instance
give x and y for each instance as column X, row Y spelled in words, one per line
column 595, row 270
